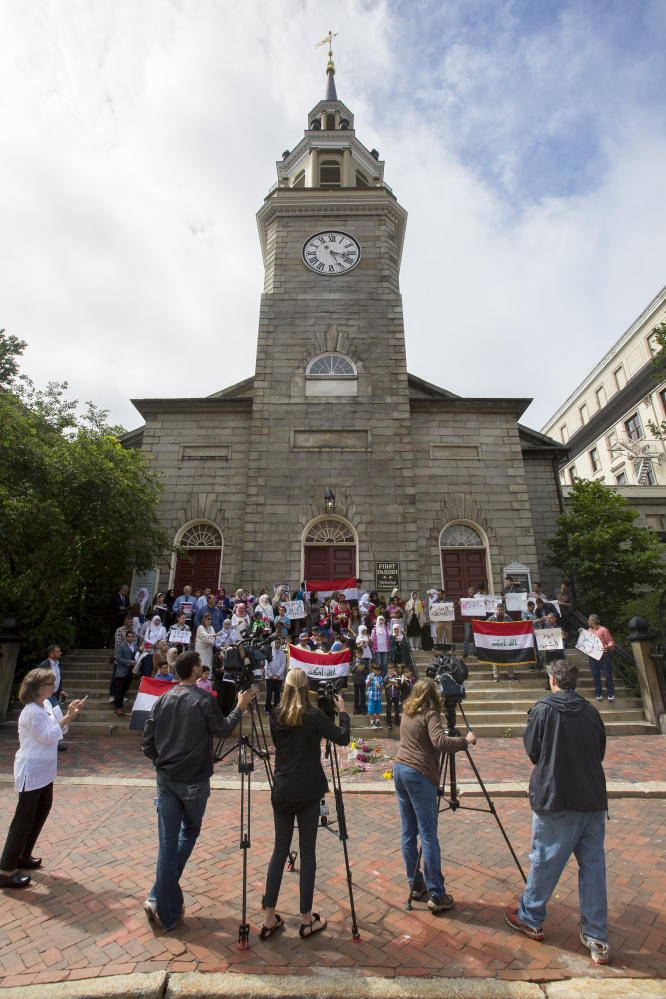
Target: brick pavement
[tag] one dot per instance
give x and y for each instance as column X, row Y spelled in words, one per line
column 629, row 758
column 83, row 917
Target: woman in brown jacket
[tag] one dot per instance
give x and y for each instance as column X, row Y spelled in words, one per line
column 416, row 776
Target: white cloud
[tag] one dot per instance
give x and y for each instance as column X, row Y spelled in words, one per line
column 140, row 141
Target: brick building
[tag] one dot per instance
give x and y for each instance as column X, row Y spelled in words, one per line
column 333, row 458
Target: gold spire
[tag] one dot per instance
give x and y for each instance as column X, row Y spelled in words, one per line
column 329, row 38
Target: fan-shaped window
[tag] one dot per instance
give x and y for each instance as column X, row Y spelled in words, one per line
column 330, row 532
column 201, row 536
column 460, row 536
column 331, row 364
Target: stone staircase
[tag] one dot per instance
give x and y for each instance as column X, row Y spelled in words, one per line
column 492, row 709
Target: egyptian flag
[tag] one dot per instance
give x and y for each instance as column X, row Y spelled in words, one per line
column 149, row 691
column 500, row 642
column 320, row 665
column 325, row 587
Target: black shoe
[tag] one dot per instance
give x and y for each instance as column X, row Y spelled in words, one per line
column 62, row 748
column 15, row 880
column 440, row 904
column 389, row 726
column 29, row 863
column 516, row 678
column 418, row 893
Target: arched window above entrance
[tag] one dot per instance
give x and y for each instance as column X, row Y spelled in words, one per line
column 331, row 365
column 330, row 532
column 331, row 374
column 201, row 536
column 460, row 536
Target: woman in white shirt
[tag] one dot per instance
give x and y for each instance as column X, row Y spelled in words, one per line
column 206, row 640
column 240, row 620
column 40, row 729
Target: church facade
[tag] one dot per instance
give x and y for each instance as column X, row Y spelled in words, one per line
column 333, row 460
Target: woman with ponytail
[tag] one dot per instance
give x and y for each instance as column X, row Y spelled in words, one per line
column 299, row 784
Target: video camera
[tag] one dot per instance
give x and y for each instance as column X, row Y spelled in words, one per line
column 326, row 692
column 244, row 657
column 449, row 672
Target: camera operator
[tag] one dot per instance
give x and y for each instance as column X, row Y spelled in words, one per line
column 416, row 775
column 178, row 738
column 299, row 784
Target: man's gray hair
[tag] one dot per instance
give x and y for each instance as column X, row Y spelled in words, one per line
column 565, row 674
column 594, row 617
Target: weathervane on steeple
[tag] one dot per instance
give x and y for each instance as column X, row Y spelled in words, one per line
column 331, row 94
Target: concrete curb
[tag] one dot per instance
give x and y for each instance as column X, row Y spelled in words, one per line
column 331, row 985
column 499, row 789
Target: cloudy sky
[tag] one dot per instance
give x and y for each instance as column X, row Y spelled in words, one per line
column 526, row 139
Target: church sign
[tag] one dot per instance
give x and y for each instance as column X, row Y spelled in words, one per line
column 387, row 575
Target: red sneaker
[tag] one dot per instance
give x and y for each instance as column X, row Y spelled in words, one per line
column 511, row 916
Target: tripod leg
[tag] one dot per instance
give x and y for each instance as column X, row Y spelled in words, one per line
column 262, row 742
column 493, row 811
column 342, row 832
column 408, row 903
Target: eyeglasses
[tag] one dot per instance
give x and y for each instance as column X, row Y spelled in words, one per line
column 51, row 684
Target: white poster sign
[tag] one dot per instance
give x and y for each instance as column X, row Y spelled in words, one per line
column 491, row 604
column 179, row 637
column 590, row 645
column 442, row 612
column 294, row 609
column 548, row 639
column 472, row 608
column 515, row 601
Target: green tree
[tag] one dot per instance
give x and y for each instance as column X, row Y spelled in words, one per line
column 77, row 513
column 610, row 558
column 10, row 349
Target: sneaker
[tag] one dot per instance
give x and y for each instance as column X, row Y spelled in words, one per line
column 496, row 679
column 516, row 679
column 599, row 951
column 440, row 903
column 599, row 697
column 111, row 700
column 379, row 725
column 418, row 892
column 611, row 697
column 150, row 909
column 511, row 916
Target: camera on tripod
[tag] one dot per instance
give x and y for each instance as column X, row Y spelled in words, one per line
column 244, row 657
column 327, row 691
column 449, row 673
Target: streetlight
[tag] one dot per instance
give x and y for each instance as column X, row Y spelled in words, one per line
column 329, row 501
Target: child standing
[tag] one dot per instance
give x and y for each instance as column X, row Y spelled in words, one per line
column 359, row 676
column 374, row 685
column 204, row 683
column 392, row 684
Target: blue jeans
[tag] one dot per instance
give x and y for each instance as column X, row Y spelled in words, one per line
column 555, row 836
column 417, row 800
column 468, row 634
column 596, row 666
column 381, row 658
column 180, row 812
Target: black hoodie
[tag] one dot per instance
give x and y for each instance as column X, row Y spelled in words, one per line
column 566, row 740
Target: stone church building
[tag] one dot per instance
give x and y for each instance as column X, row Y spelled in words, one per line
column 333, row 458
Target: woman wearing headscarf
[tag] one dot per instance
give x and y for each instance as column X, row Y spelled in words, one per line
column 363, row 646
column 155, row 632
column 205, row 640
column 150, row 661
column 265, row 607
column 143, row 600
column 416, row 617
column 381, row 641
column 240, row 619
column 40, row 729
column 223, row 602
column 432, row 596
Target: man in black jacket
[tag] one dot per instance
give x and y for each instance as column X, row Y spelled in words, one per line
column 178, row 738
column 566, row 740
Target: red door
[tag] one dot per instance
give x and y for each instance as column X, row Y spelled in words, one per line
column 330, row 561
column 202, row 571
column 461, row 570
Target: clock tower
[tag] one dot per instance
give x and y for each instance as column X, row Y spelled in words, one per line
column 330, row 408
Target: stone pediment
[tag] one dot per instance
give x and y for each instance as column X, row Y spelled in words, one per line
column 243, row 388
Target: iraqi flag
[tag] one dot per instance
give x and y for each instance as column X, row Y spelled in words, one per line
column 325, row 587
column 501, row 642
column 321, row 665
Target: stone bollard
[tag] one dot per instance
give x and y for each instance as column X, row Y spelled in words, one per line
column 10, row 643
column 649, row 672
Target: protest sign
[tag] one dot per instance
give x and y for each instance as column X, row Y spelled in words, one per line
column 491, row 604
column 515, row 601
column 294, row 609
column 472, row 608
column 442, row 612
column 179, row 637
column 548, row 639
column 590, row 645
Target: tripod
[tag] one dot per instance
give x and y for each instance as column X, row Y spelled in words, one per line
column 452, row 803
column 248, row 747
column 331, row 754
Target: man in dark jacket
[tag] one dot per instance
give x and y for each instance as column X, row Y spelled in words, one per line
column 178, row 738
column 566, row 740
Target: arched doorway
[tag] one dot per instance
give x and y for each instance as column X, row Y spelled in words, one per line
column 203, row 541
column 464, row 564
column 329, row 549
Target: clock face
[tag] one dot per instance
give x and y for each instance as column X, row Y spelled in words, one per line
column 331, row 252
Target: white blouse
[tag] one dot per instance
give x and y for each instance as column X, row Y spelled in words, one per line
column 36, row 762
